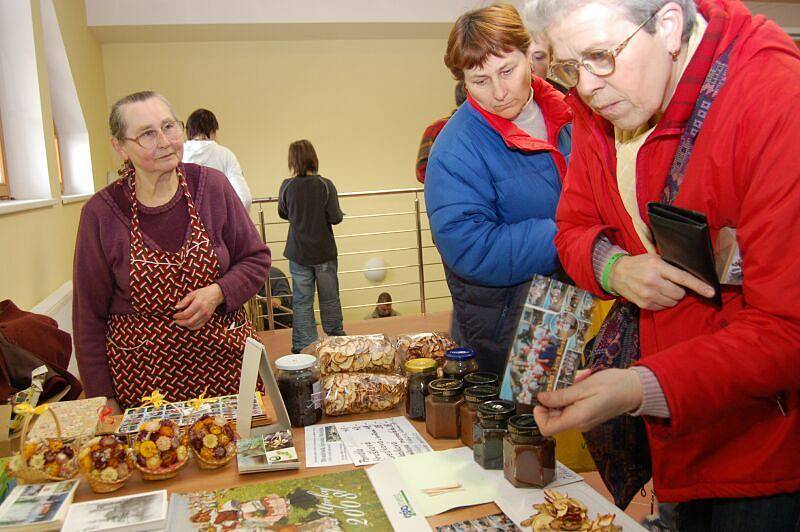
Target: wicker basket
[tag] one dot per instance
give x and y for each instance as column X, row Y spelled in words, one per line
column 162, row 473
column 203, row 463
column 101, row 486
column 28, row 475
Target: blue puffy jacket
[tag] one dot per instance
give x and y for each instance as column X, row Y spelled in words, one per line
column 491, row 192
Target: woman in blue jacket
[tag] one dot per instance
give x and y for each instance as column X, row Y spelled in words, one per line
column 494, row 179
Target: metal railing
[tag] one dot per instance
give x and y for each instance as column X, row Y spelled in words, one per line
column 406, row 205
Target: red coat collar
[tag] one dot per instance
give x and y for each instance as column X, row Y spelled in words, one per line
column 556, row 114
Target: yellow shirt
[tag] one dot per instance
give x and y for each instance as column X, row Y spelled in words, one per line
column 628, row 144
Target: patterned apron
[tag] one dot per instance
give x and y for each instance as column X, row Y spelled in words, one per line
column 147, row 350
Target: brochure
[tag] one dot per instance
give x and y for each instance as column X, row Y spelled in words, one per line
column 268, row 452
column 372, row 441
column 342, row 501
column 324, row 446
column 37, row 507
column 143, row 512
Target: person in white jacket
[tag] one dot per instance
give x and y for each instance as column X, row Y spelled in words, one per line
column 202, row 149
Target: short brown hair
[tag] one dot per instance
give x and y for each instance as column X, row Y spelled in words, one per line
column 477, row 34
column 302, row 158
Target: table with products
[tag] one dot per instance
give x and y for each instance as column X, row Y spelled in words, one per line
column 192, row 478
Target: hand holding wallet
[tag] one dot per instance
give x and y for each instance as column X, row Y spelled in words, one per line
column 683, row 240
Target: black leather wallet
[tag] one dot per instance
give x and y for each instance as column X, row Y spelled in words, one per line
column 683, row 240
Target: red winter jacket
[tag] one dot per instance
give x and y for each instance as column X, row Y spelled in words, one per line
column 720, row 370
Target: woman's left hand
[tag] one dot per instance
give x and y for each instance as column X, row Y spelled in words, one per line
column 196, row 308
column 586, row 404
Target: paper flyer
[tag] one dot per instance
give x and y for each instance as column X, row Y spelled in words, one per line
column 324, row 447
column 370, row 442
column 518, row 503
column 398, row 508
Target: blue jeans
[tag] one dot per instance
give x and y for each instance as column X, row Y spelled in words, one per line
column 304, row 330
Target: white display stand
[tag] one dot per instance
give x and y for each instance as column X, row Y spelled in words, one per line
column 254, row 364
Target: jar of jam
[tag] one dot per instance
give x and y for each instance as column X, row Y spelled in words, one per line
column 441, row 407
column 481, row 378
column 300, row 387
column 468, row 412
column 420, row 372
column 529, row 459
column 489, row 431
column 460, row 362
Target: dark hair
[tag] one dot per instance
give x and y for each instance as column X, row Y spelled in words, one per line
column 302, row 158
column 385, row 297
column 477, row 34
column 461, row 92
column 201, row 122
column 116, row 122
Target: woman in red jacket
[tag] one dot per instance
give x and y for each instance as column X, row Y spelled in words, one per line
column 719, row 389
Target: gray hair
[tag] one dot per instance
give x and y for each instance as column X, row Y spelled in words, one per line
column 541, row 14
column 116, row 121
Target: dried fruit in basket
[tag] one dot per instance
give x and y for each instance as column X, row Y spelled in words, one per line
column 42, row 460
column 424, row 345
column 562, row 513
column 156, row 453
column 213, row 441
column 106, row 463
column 349, row 354
column 355, row 393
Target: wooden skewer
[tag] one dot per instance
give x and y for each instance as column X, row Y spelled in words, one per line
column 442, row 489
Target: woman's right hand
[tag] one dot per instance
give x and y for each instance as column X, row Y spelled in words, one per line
column 653, row 284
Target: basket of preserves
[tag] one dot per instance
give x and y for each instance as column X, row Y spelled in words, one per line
column 42, row 460
column 213, row 441
column 105, row 462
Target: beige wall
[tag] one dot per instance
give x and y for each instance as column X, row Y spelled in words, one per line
column 37, row 245
column 363, row 103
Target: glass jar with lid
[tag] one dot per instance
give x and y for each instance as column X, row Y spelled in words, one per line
column 299, row 383
column 459, row 362
column 420, row 372
column 481, row 378
column 441, row 407
column 468, row 411
column 489, row 431
column 529, row 459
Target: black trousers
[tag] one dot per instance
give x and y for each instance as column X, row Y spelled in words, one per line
column 777, row 513
column 487, row 318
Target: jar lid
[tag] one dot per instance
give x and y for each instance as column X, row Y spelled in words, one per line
column 295, row 362
column 497, row 409
column 419, row 365
column 523, row 424
column 480, row 394
column 480, row 377
column 445, row 387
column 460, row 353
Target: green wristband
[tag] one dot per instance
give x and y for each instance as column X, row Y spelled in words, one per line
column 607, row 271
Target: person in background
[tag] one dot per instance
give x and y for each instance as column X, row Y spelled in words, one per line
column 695, row 102
column 281, row 300
column 202, row 149
column 432, row 131
column 494, row 179
column 311, row 204
column 541, row 53
column 384, row 308
column 165, row 258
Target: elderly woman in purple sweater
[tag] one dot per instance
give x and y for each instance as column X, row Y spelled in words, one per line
column 165, row 258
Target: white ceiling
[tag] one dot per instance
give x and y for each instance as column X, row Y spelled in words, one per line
column 214, row 20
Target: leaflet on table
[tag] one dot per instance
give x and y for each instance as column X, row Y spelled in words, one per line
column 369, row 442
column 418, row 473
column 517, row 503
column 395, row 502
column 324, row 447
column 489, row 523
column 37, row 506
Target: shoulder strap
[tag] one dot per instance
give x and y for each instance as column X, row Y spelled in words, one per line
column 708, row 92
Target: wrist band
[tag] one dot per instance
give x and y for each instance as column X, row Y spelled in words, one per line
column 607, row 271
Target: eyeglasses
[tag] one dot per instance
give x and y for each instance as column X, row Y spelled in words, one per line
column 172, row 130
column 600, row 62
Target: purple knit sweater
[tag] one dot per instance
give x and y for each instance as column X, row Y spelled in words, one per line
column 102, row 258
